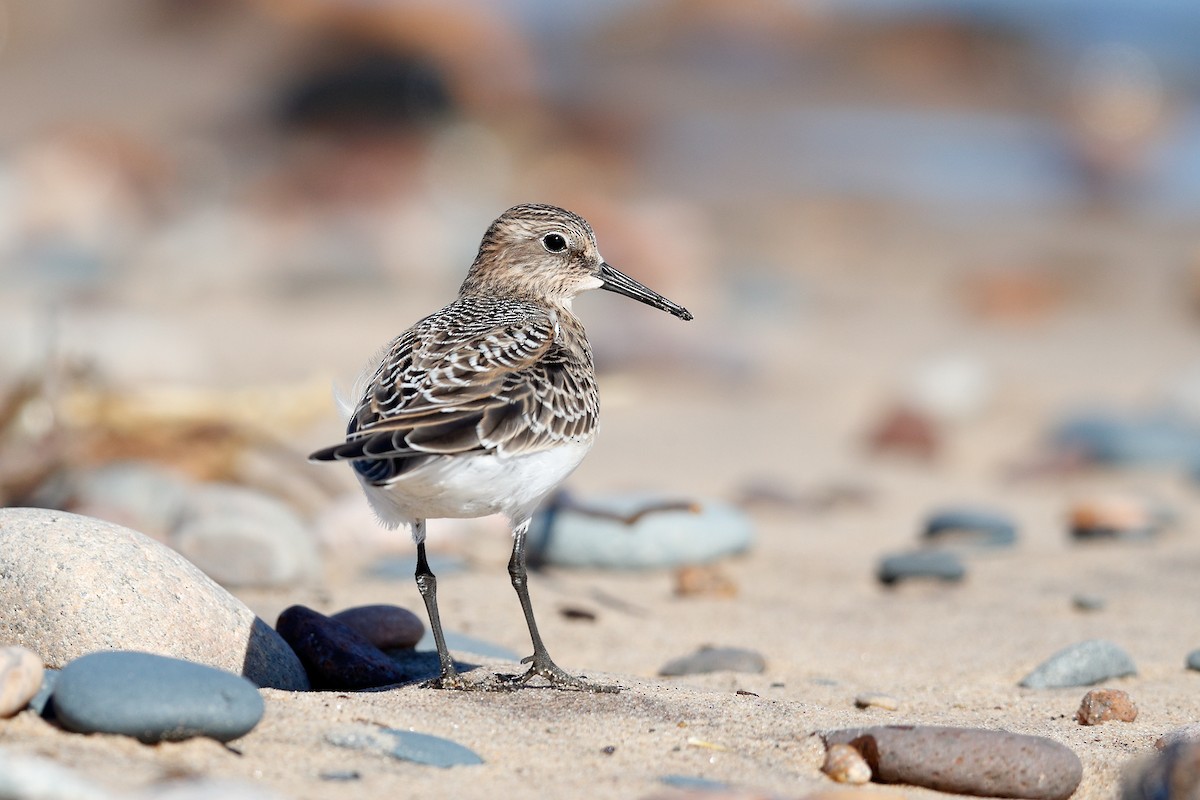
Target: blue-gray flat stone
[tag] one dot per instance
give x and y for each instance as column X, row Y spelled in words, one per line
column 693, row 782
column 461, row 643
column 970, row 526
column 568, row 537
column 1081, row 664
column 154, row 698
column 1193, row 660
column 715, row 659
column 937, row 564
column 42, row 698
column 1130, row 440
column 420, row 748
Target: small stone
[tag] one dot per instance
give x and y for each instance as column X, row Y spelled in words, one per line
column 30, row 777
column 970, row 526
column 420, row 748
column 1173, row 774
column 154, row 698
column 20, row 678
column 72, row 585
column 877, row 700
column 703, row 580
column 335, row 655
column 940, row 565
column 1082, row 664
column 965, row 760
column 139, row 495
column 1193, row 660
column 844, row 764
column 1129, row 440
column 1116, row 517
column 384, row 626
column 693, row 782
column 1187, row 734
column 1086, row 601
column 952, row 387
column 655, row 533
column 240, row 537
column 40, row 700
column 715, row 659
column 904, row 431
column 462, row 643
column 1103, row 705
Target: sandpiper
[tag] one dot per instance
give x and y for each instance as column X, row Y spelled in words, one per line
column 489, row 404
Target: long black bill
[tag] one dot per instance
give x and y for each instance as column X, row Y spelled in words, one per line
column 619, row 282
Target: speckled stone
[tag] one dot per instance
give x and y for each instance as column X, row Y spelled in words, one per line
column 965, row 760
column 335, row 655
column 387, row 627
column 941, row 565
column 72, row 585
column 1105, row 705
column 154, row 698
column 20, row 678
column 420, row 748
column 715, row 659
column 1082, row 664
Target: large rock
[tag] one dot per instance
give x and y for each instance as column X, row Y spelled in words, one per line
column 72, row 585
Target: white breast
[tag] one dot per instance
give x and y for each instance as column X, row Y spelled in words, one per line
column 464, row 486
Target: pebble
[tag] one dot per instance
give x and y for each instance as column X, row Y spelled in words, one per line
column 420, row 748
column 566, row 536
column 154, row 698
column 462, row 643
column 136, row 494
column 1193, row 660
column 970, row 526
column 1187, row 734
column 30, row 777
column 20, row 678
column 1133, row 440
column 240, row 537
column 940, row 565
column 1116, row 517
column 688, row 782
column 877, row 700
column 1081, row 664
column 966, row 760
column 336, row 656
column 41, row 700
column 844, row 764
column 704, row 580
column 1086, row 601
column 71, row 585
column 715, row 659
column 385, row 626
column 904, row 431
column 1104, row 705
column 1173, row 774
column 952, row 387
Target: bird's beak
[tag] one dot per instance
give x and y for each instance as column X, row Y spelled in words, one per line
column 616, row 281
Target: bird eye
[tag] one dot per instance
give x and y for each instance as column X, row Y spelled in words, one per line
column 554, row 242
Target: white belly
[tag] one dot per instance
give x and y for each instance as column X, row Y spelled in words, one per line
column 475, row 486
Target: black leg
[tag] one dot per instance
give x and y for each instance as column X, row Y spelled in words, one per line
column 540, row 662
column 427, row 585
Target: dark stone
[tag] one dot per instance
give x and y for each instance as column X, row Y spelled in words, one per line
column 384, row 626
column 154, row 698
column 965, row 760
column 937, row 564
column 1081, row 664
column 336, row 656
column 970, row 526
column 715, row 659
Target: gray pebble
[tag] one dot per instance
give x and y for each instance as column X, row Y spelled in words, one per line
column 715, row 659
column 1081, row 664
column 965, row 760
column 693, row 782
column 71, row 585
column 462, row 643
column 30, row 777
column 1130, row 440
column 1086, row 601
column 568, row 537
column 1188, row 734
column 1193, row 659
column 970, row 526
column 154, row 698
column 384, row 626
column 139, row 495
column 936, row 564
column 1173, row 774
column 240, row 537
column 420, row 748
column 41, row 700
column 20, row 678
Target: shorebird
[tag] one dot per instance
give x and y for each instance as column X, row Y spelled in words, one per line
column 486, row 406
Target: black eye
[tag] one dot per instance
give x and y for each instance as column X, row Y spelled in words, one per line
column 554, row 242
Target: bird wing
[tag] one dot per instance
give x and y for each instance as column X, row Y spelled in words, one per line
column 453, row 385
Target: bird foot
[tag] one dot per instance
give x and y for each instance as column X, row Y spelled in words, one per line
column 557, row 677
